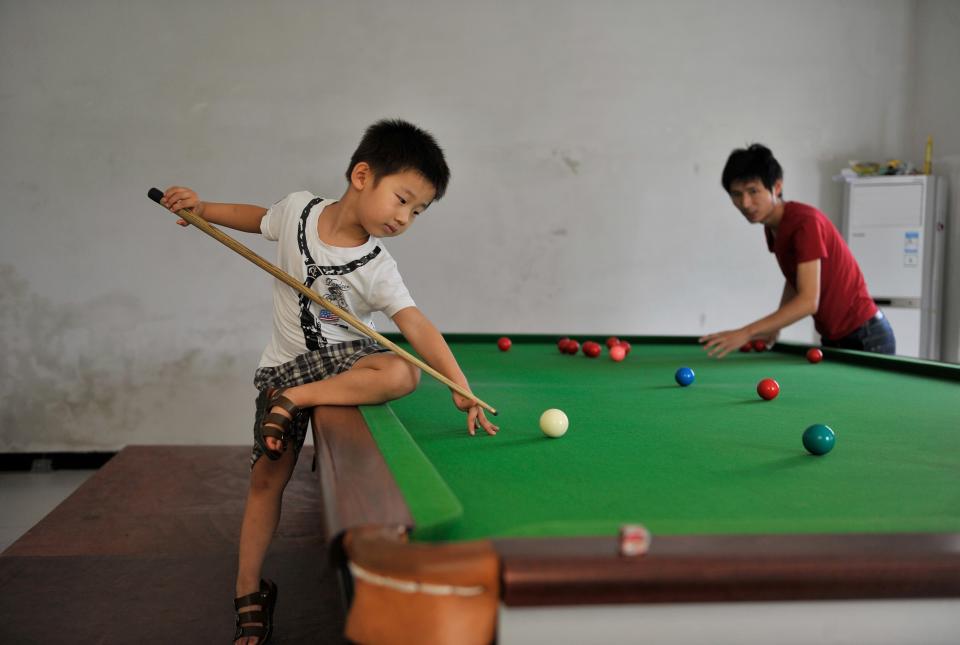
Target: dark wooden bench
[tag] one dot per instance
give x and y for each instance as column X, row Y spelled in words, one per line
column 145, row 551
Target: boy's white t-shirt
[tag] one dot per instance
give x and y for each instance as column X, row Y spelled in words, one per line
column 361, row 279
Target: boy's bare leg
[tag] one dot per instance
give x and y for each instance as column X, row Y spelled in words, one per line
column 373, row 379
column 260, row 518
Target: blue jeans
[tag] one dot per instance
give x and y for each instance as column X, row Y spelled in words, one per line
column 875, row 335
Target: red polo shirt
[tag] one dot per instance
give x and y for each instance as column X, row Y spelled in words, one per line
column 806, row 234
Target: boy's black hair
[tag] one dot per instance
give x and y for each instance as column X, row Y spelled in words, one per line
column 390, row 146
column 753, row 162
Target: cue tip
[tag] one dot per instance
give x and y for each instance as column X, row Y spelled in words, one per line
column 155, row 194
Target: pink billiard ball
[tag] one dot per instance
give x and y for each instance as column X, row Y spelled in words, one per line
column 504, row 344
column 814, row 355
column 768, row 389
column 618, row 353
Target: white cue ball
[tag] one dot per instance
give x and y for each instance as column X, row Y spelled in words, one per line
column 554, row 423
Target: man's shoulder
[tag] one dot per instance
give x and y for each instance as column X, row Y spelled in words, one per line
column 799, row 215
column 799, row 209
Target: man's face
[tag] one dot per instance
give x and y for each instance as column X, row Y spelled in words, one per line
column 754, row 200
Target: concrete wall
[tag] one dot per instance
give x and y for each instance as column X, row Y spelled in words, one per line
column 936, row 113
column 586, row 142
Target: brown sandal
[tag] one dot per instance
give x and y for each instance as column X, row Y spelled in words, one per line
column 273, row 424
column 256, row 623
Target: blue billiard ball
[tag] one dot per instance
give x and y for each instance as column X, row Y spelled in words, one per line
column 818, row 439
column 684, row 376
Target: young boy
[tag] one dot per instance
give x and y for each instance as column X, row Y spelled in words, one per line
column 313, row 357
column 822, row 277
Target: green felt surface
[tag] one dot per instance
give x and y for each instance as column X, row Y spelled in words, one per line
column 429, row 497
column 709, row 458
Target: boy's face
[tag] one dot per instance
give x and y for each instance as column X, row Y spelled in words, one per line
column 389, row 206
column 754, row 200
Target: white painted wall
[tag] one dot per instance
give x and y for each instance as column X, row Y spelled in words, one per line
column 936, row 113
column 586, row 142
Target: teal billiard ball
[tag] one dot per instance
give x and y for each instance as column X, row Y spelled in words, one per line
column 818, row 439
column 684, row 376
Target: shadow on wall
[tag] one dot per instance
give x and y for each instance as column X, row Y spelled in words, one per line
column 93, row 376
column 830, row 198
column 949, row 167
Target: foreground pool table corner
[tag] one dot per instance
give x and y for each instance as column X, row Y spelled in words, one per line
column 420, row 593
column 366, row 523
column 360, row 494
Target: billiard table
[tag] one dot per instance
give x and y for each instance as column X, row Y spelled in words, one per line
column 447, row 537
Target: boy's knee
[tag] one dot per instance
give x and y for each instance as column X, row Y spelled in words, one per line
column 404, row 378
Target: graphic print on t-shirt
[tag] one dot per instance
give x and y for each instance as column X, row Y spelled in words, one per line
column 310, row 323
column 334, row 294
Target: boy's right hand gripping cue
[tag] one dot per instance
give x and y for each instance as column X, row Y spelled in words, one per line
column 190, row 216
column 177, row 198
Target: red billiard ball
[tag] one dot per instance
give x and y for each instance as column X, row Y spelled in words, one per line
column 768, row 389
column 504, row 344
column 618, row 353
column 591, row 349
column 759, row 345
column 625, row 345
column 746, row 347
column 562, row 344
column 573, row 347
column 814, row 355
column 613, row 340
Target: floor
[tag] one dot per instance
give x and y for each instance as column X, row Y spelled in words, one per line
column 144, row 550
column 26, row 498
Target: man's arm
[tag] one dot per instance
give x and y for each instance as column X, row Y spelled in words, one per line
column 803, row 302
column 240, row 217
column 788, row 293
column 429, row 343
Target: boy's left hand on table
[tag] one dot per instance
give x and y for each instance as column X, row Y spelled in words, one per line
column 475, row 415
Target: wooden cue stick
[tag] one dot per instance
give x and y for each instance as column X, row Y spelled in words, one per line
column 156, row 194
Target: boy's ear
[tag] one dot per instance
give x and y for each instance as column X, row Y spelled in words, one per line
column 361, row 175
column 778, row 188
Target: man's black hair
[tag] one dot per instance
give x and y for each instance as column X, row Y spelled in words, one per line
column 391, row 146
column 754, row 162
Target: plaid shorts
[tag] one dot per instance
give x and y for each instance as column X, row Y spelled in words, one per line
column 307, row 368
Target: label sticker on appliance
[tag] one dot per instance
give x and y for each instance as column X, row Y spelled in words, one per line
column 911, row 249
column 911, row 242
